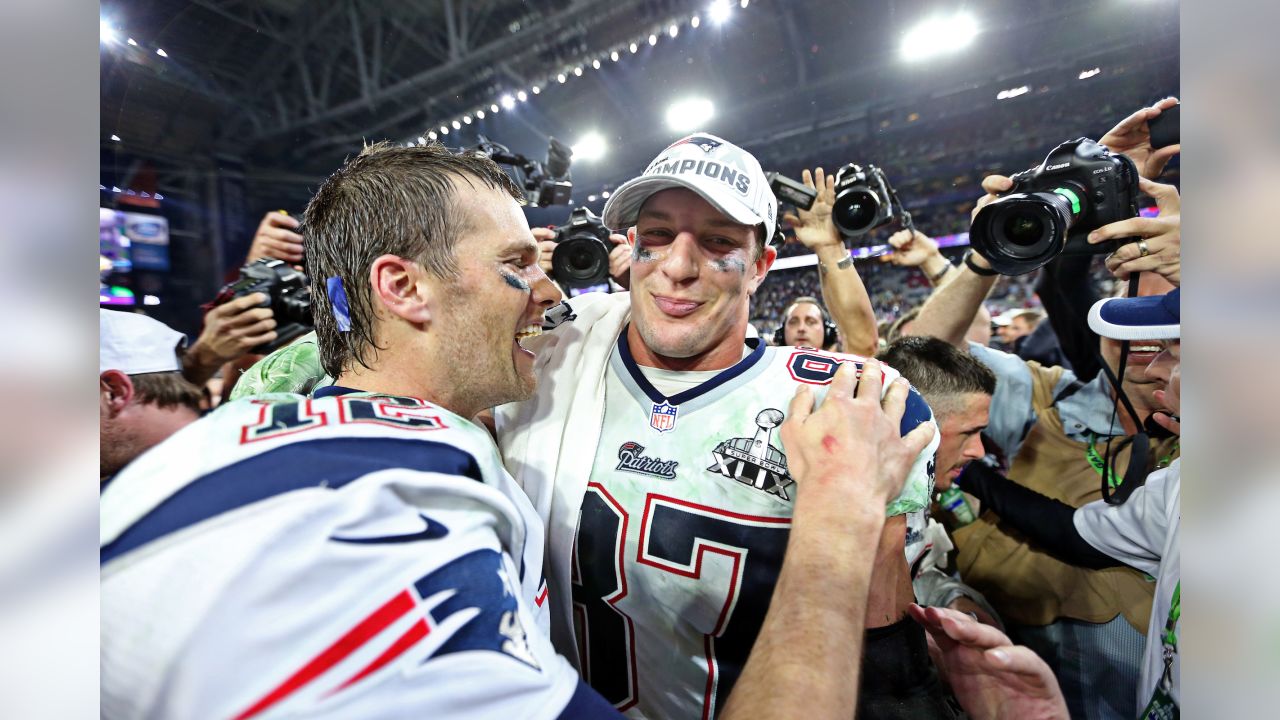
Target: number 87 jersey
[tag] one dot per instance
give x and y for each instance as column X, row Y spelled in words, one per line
column 684, row 524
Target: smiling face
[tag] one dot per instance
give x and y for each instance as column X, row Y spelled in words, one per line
column 692, row 274
column 1141, row 352
column 803, row 326
column 497, row 299
column 1166, row 371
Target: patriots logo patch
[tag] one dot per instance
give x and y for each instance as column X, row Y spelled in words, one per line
column 707, row 144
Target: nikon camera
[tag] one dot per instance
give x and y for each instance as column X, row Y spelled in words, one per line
column 864, row 201
column 580, row 263
column 289, row 293
column 1050, row 210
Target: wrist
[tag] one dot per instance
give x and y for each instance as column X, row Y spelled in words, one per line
column 936, row 267
column 979, row 264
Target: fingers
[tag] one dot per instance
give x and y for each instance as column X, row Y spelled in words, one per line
column 261, row 326
column 894, row 401
column 962, row 628
column 256, row 340
column 791, row 219
column 1166, row 103
column 1166, row 196
column 871, row 385
column 996, row 184
column 844, row 381
column 1166, row 421
column 919, row 438
column 618, row 239
column 279, row 219
column 801, row 405
column 1133, row 227
column 1015, row 659
column 240, row 304
column 900, row 238
column 819, row 179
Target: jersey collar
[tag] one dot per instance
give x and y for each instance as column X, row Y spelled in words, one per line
column 743, row 365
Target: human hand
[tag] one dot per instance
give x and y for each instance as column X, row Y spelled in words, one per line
column 232, row 329
column 969, row 607
column 855, row 434
column 991, row 677
column 275, row 238
column 1161, row 237
column 546, row 239
column 994, row 185
column 814, row 227
column 911, row 248
column 620, row 260
column 1132, row 136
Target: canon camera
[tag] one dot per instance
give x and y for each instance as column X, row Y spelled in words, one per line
column 580, row 263
column 289, row 297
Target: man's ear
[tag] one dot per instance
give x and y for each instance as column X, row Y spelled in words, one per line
column 400, row 286
column 762, row 265
column 116, row 389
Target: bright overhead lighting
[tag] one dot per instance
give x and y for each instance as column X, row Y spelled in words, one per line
column 158, row 196
column 561, row 78
column 479, row 114
column 614, row 56
column 457, row 125
column 132, row 42
column 605, row 194
column 1012, row 92
column 634, row 48
column 466, row 119
column 592, row 198
column 161, row 52
column 422, row 139
column 1086, row 74
column 719, row 11
column 493, row 107
column 115, row 138
column 105, row 32
column 939, row 35
column 535, row 90
column 596, row 63
column 578, row 71
column 591, row 146
column 432, row 135
column 674, row 30
column 507, row 101
column 689, row 114
column 695, row 21
column 653, row 39
column 744, row 4
column 522, row 96
column 444, row 129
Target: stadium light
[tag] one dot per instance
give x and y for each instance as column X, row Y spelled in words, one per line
column 605, row 194
column 591, row 198
column 589, row 147
column 115, row 138
column 719, row 11
column 432, row 135
column 1086, row 74
column 653, row 39
column 1012, row 92
column 132, row 42
column 634, row 48
column 466, row 119
column 689, row 114
column 695, row 21
column 161, row 52
column 106, row 34
column 938, row 36
column 444, row 129
column 507, row 101
column 493, row 107
column 522, row 96
column 674, row 30
column 457, row 125
column 578, row 71
column 614, row 56
column 561, row 78
column 536, row 90
column 744, row 4
column 479, row 114
column 596, row 63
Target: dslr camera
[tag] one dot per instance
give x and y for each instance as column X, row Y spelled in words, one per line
column 864, row 201
column 580, row 263
column 1050, row 210
column 544, row 184
column 289, row 297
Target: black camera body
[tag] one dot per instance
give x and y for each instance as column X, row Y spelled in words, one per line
column 544, row 184
column 1052, row 208
column 580, row 263
column 864, row 201
column 289, row 297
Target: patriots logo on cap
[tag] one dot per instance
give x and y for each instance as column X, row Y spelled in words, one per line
column 706, row 143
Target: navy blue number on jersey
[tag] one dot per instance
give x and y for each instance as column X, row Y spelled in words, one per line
column 675, row 537
column 606, row 638
column 278, row 419
column 813, row 368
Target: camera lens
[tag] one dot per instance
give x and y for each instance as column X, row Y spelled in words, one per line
column 581, row 259
column 855, row 210
column 1021, row 232
column 1024, row 230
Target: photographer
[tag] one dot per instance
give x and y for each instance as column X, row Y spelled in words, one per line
column 619, row 255
column 1087, row 623
column 842, row 289
column 231, row 331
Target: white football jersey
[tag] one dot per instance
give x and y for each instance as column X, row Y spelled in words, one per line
column 353, row 556
column 685, row 522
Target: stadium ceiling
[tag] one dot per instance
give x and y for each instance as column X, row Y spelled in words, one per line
column 289, row 87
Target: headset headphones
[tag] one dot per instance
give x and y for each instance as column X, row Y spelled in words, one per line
column 829, row 330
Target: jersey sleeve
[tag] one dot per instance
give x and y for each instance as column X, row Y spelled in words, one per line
column 1135, row 532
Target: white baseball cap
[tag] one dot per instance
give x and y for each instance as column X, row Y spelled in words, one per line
column 724, row 175
column 135, row 344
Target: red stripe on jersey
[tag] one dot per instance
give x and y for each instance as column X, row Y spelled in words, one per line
column 376, row 622
column 410, row 638
column 542, row 596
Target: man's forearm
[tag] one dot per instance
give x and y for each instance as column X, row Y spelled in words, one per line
column 199, row 365
column 949, row 311
column 806, row 658
column 847, row 300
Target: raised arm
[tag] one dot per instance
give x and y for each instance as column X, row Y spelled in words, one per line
column 949, row 311
column 806, row 659
column 843, row 293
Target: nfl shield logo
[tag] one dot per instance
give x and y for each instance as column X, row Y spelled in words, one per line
column 663, row 417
